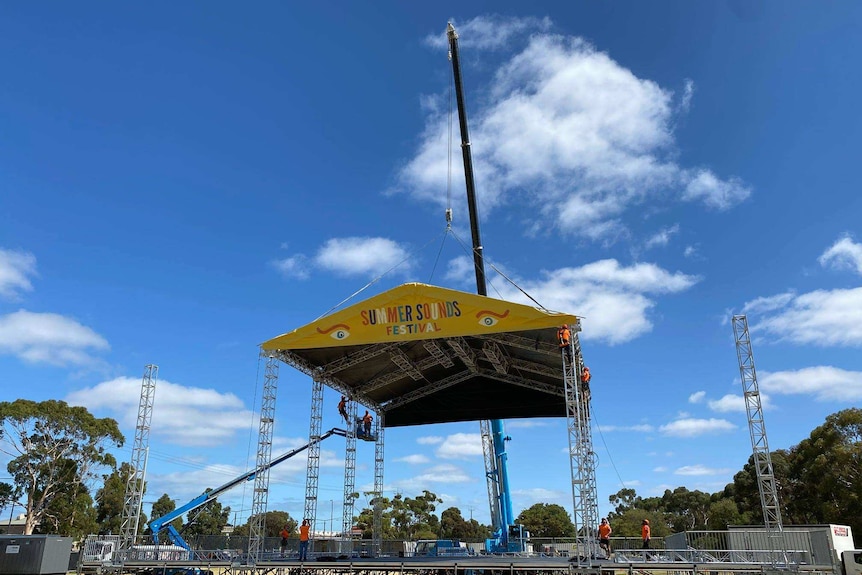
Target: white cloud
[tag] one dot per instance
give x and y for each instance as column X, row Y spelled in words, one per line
column 612, row 298
column 525, row 423
column 825, row 383
column 429, row 440
column 567, row 128
column 445, row 473
column 16, row 268
column 692, row 427
column 49, row 338
column 690, row 251
column 687, row 93
column 660, row 470
column 662, row 237
column 360, row 256
column 820, row 318
column 460, row 270
column 415, row 459
column 731, row 403
column 699, row 470
column 641, row 428
column 696, row 397
column 488, row 32
column 181, row 415
column 461, row 446
column 767, row 304
column 716, row 193
column 843, row 254
column 295, row 266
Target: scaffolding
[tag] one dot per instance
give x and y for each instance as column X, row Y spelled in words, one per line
column 312, row 477
column 377, row 520
column 349, row 481
column 133, row 497
column 257, row 522
column 759, row 445
column 582, row 457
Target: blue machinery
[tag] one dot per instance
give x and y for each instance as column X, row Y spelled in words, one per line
column 163, row 524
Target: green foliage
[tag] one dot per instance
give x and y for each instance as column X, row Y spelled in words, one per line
column 547, row 520
column 207, row 520
column 454, row 526
column 109, row 501
column 165, row 505
column 274, row 521
column 56, row 450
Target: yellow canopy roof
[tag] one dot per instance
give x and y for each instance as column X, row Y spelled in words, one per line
column 416, row 311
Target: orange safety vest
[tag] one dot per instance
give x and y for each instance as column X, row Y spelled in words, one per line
column 645, row 532
column 564, row 334
column 604, row 530
column 585, row 375
column 303, row 532
column 284, row 534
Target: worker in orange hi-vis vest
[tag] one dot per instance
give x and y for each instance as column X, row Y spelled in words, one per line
column 342, row 409
column 645, row 532
column 564, row 336
column 303, row 540
column 605, row 536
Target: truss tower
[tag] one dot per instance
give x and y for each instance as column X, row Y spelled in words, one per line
column 257, row 524
column 760, row 446
column 581, row 454
column 134, row 493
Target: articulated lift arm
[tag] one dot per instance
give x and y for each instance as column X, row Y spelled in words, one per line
column 164, row 523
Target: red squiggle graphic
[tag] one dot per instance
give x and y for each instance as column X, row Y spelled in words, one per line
column 489, row 312
column 336, row 326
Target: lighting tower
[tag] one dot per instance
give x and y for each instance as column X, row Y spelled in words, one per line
column 759, row 445
column 133, row 497
column 257, row 524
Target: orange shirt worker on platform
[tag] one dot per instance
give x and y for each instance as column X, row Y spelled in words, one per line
column 605, row 536
column 366, row 421
column 645, row 532
column 303, row 540
column 285, row 533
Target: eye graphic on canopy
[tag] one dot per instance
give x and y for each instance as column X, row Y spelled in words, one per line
column 488, row 318
column 339, row 331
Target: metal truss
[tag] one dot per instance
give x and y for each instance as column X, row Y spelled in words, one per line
column 317, row 374
column 312, row 477
column 582, row 457
column 257, row 523
column 428, row 389
column 490, row 470
column 377, row 521
column 349, row 481
column 356, row 358
column 759, row 445
column 495, row 355
column 133, row 497
column 522, row 382
column 464, row 352
column 438, row 353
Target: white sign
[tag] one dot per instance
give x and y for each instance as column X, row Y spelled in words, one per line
column 12, row 548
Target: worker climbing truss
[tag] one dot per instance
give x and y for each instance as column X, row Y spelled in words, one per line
column 134, row 493
column 377, row 519
column 257, row 522
column 349, row 480
column 760, row 446
column 490, row 470
column 312, row 477
column 581, row 455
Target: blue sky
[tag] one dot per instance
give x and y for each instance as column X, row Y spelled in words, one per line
column 181, row 183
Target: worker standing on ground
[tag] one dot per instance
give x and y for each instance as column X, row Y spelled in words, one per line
column 565, row 338
column 645, row 533
column 366, row 420
column 605, row 536
column 342, row 409
column 303, row 540
column 285, row 533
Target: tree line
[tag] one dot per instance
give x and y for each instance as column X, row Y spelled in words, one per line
column 56, row 453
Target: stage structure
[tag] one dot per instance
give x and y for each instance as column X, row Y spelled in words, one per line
column 419, row 354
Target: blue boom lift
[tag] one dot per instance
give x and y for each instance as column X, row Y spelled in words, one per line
column 163, row 523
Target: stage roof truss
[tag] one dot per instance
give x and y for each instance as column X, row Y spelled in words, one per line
column 422, row 354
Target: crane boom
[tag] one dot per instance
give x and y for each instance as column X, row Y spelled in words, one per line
column 503, row 504
column 163, row 523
